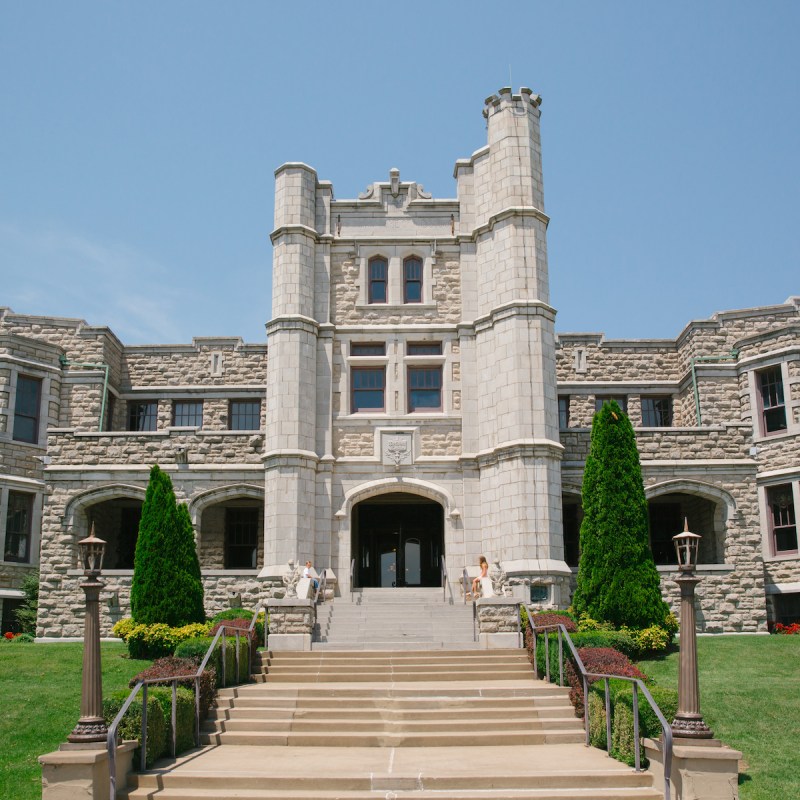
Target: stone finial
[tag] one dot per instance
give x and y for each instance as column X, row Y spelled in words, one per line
column 394, row 179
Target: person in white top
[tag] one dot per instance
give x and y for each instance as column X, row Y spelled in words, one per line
column 307, row 574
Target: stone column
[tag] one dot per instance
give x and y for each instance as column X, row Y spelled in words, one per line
column 498, row 623
column 291, row 624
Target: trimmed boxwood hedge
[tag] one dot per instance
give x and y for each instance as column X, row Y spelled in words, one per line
column 184, row 714
column 131, row 725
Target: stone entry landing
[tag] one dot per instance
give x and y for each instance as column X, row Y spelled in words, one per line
column 443, row 724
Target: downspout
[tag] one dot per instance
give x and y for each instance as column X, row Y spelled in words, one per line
column 65, row 362
column 732, row 356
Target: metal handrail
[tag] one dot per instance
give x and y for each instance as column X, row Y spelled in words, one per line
column 352, row 577
column 465, row 583
column 638, row 686
column 443, row 570
column 111, row 738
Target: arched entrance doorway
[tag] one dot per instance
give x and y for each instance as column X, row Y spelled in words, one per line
column 398, row 541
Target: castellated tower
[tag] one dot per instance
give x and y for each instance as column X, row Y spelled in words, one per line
column 511, row 421
column 412, row 414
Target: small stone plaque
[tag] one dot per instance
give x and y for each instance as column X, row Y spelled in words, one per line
column 396, row 449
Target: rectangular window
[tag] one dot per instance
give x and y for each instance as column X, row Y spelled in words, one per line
column 245, row 415
column 773, row 409
column 26, row 409
column 424, row 348
column 367, row 389
column 657, row 412
column 563, row 412
column 367, row 348
column 787, row 608
column 424, row 389
column 187, row 413
column 241, row 538
column 782, row 519
column 665, row 521
column 622, row 401
column 10, row 623
column 378, row 270
column 412, row 280
column 142, row 415
column 18, row 527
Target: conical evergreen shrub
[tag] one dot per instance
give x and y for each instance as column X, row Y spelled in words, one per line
column 617, row 577
column 166, row 583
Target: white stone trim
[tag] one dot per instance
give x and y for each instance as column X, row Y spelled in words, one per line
column 99, row 494
column 400, row 484
column 211, row 497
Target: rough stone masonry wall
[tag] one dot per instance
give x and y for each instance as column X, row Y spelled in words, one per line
column 446, row 294
column 291, row 618
column 191, row 365
column 497, row 618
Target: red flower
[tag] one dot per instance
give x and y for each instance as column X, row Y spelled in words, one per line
column 9, row 635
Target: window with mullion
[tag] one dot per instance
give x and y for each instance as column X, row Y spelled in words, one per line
column 244, row 415
column 782, row 518
column 621, row 400
column 26, row 409
column 656, row 412
column 424, row 389
column 773, row 408
column 377, row 280
column 241, row 538
column 142, row 415
column 187, row 413
column 412, row 280
column 17, row 546
column 563, row 412
column 367, row 389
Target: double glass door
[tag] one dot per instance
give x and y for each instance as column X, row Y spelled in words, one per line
column 399, row 545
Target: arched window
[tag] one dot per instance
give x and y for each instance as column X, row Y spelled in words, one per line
column 412, row 280
column 378, row 270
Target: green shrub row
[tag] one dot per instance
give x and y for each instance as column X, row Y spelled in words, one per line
column 621, row 702
column 131, row 725
column 159, row 721
column 196, row 649
column 157, row 640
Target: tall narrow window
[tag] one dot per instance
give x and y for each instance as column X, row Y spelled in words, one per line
column 187, row 413
column 424, row 389
column 773, row 409
column 563, row 412
column 26, row 409
column 245, row 415
column 412, row 280
column 17, row 545
column 142, row 415
column 378, row 271
column 782, row 519
column 367, row 389
column 656, row 412
column 241, row 538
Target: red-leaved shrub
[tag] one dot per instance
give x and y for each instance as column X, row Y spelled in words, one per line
column 546, row 618
column 164, row 668
column 244, row 624
column 604, row 660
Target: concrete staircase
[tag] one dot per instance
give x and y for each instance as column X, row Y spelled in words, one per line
column 394, row 619
column 451, row 725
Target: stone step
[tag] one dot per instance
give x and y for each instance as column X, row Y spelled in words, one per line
column 563, row 771
column 318, row 723
column 388, row 739
column 456, row 656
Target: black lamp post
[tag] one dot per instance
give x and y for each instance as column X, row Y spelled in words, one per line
column 91, row 727
column 688, row 722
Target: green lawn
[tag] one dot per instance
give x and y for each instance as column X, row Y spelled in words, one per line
column 750, row 697
column 40, row 698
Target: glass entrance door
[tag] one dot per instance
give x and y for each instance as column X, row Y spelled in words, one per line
column 398, row 544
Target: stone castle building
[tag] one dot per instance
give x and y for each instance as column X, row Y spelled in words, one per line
column 413, row 408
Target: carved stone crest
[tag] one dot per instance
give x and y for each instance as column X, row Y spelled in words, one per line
column 396, row 449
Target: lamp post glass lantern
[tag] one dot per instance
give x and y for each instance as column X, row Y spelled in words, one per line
column 91, row 726
column 688, row 722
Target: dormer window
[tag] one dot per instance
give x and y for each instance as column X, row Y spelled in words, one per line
column 378, row 275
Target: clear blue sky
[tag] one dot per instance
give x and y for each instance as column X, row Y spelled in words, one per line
column 138, row 142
